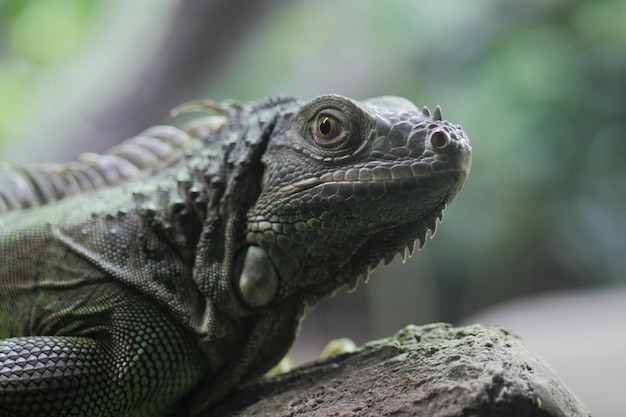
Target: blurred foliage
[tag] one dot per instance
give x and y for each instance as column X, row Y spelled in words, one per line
column 540, row 86
column 35, row 37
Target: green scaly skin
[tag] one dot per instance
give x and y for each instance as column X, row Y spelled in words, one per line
column 153, row 279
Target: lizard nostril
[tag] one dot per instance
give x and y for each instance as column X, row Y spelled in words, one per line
column 439, row 140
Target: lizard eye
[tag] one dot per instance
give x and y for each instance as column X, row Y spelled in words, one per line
column 328, row 128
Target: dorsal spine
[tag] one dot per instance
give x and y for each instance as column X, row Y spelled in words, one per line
column 25, row 186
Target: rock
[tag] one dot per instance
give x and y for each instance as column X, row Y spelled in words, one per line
column 587, row 351
column 434, row 370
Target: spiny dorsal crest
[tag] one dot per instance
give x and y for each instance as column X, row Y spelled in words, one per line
column 25, row 186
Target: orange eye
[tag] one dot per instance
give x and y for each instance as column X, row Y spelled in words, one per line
column 328, row 127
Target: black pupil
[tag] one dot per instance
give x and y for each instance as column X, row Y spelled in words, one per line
column 439, row 140
column 325, row 126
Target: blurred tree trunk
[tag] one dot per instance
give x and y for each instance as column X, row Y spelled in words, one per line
column 198, row 42
column 200, row 39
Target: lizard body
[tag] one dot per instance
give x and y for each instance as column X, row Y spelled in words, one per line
column 153, row 279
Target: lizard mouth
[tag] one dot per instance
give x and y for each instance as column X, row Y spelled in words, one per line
column 341, row 181
column 380, row 247
column 410, row 229
column 384, row 246
column 385, row 217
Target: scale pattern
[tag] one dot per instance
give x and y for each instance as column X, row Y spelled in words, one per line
column 153, row 279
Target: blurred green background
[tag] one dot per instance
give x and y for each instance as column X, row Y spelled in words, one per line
column 539, row 85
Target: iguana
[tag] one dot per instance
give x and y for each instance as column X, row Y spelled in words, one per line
column 154, row 278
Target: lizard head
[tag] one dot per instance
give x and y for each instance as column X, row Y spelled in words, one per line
column 347, row 184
